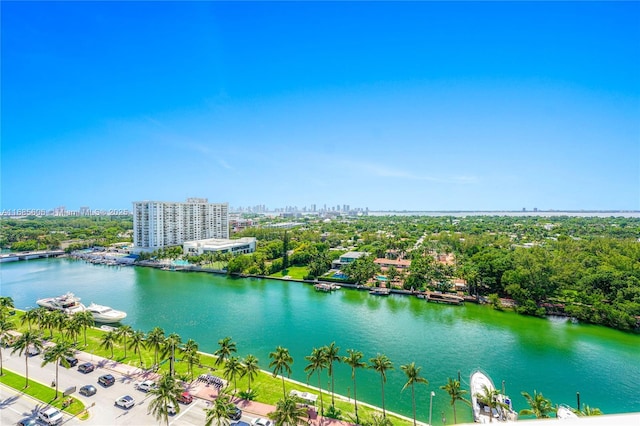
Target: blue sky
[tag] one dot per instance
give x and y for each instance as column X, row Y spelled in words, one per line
column 414, row 105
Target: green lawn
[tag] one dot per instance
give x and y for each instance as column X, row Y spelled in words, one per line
column 295, row 272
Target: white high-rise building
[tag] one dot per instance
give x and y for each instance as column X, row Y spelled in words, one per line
column 158, row 224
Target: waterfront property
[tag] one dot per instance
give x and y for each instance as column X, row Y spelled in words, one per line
column 347, row 258
column 243, row 245
column 158, row 224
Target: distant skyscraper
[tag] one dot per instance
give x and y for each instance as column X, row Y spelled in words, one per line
column 158, row 224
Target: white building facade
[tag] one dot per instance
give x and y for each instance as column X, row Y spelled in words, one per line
column 158, row 224
column 244, row 245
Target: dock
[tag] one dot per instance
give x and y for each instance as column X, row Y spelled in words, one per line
column 447, row 298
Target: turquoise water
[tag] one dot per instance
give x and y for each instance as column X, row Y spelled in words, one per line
column 552, row 356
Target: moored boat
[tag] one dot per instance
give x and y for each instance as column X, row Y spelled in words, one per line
column 327, row 287
column 499, row 408
column 380, row 291
column 105, row 314
column 565, row 412
column 438, row 297
column 67, row 303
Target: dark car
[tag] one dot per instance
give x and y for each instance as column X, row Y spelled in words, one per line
column 71, row 362
column 87, row 367
column 88, row 390
column 106, row 380
column 235, row 413
column 240, row 423
column 29, row 421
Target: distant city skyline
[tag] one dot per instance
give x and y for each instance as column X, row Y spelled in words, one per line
column 420, row 106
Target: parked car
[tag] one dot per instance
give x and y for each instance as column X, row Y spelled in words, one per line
column 147, row 385
column 28, row 421
column 235, row 413
column 33, row 351
column 125, row 401
column 106, row 380
column 88, row 390
column 185, row 398
column 171, row 410
column 50, row 416
column 260, row 421
column 71, row 362
column 86, row 367
column 240, row 423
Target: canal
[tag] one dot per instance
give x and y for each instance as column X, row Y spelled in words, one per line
column 555, row 357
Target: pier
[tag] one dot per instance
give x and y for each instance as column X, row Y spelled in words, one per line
column 28, row 255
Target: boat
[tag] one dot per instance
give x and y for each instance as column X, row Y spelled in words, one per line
column 565, row 412
column 438, row 297
column 327, row 287
column 482, row 384
column 105, row 314
column 67, row 303
column 380, row 291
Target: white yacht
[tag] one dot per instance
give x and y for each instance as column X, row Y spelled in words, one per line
column 67, row 303
column 105, row 314
column 481, row 384
column 565, row 412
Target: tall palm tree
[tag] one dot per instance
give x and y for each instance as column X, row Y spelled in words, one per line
column 123, row 333
column 227, row 348
column 72, row 328
column 456, row 393
column 155, row 340
column 169, row 348
column 164, row 394
column 137, row 342
column 288, row 413
column 85, row 319
column 281, row 362
column 250, row 368
column 317, row 363
column 58, row 354
column 381, row 363
column 108, row 341
column 413, row 376
column 220, row 410
column 354, row 360
column 190, row 355
column 31, row 316
column 233, row 369
column 6, row 303
column 331, row 355
column 5, row 326
column 539, row 406
column 28, row 339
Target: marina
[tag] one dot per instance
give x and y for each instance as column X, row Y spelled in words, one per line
column 554, row 356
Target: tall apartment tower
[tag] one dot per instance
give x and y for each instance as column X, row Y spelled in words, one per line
column 158, row 224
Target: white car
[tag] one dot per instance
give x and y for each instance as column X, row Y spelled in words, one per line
column 260, row 421
column 125, row 401
column 50, row 416
column 146, row 386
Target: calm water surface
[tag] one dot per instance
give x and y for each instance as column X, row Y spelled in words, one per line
column 554, row 357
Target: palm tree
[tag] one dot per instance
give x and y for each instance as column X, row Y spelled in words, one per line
column 190, row 355
column 489, row 397
column 137, row 343
column 413, row 376
column 220, row 410
column 354, row 360
column 381, row 363
column 108, row 340
column 169, row 348
column 72, row 327
column 58, row 354
column 123, row 333
column 288, row 413
column 589, row 411
column 331, row 355
column 378, row 420
column 28, row 339
column 5, row 327
column 31, row 316
column 233, row 369
column 317, row 363
column 155, row 340
column 164, row 394
column 456, row 393
column 6, row 303
column 85, row 319
column 539, row 406
column 250, row 369
column 282, row 361
column 227, row 347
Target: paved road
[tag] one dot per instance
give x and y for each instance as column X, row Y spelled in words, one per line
column 15, row 405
